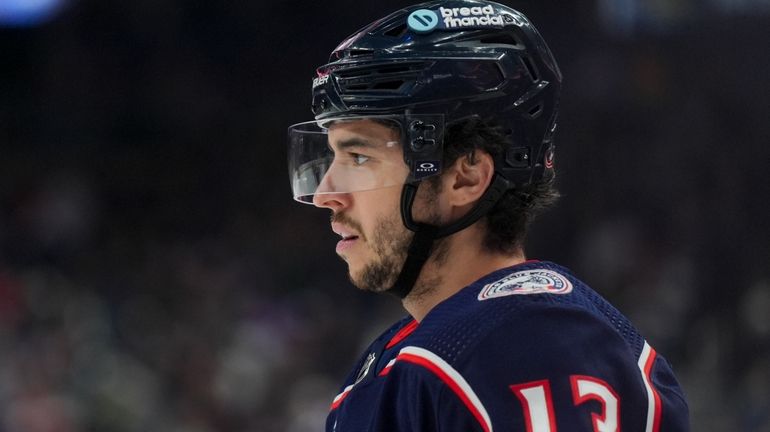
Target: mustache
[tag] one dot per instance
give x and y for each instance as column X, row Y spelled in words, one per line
column 342, row 218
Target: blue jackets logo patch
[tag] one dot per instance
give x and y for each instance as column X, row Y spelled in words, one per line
column 527, row 282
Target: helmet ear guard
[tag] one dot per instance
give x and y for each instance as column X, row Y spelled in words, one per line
column 424, row 144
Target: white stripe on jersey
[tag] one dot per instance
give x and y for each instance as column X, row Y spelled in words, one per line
column 456, row 381
column 648, row 354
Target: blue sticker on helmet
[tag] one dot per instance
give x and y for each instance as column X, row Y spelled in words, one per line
column 422, row 20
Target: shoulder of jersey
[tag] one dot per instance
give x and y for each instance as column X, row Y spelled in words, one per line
column 527, row 286
column 535, row 290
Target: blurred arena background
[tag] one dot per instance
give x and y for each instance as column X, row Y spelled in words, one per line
column 155, row 274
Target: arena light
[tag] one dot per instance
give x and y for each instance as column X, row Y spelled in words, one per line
column 28, row 13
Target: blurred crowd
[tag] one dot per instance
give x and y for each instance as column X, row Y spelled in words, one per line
column 156, row 275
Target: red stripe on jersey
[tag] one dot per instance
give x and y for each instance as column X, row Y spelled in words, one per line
column 426, row 363
column 386, row 369
column 340, row 397
column 402, row 334
column 648, row 373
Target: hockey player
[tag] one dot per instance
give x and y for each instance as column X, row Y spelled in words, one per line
column 432, row 146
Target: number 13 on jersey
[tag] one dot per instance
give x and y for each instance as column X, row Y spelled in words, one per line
column 537, row 403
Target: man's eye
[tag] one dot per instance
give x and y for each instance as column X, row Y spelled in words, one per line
column 359, row 159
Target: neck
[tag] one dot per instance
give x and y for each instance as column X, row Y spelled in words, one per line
column 457, row 261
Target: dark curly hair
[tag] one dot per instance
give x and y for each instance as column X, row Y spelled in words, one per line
column 507, row 222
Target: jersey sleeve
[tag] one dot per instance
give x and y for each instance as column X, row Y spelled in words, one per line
column 673, row 412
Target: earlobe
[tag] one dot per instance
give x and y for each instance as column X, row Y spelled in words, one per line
column 471, row 176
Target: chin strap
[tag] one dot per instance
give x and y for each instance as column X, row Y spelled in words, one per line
column 425, row 235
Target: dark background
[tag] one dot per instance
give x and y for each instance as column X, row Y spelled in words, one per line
column 155, row 273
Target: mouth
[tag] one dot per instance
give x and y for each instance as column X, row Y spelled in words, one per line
column 349, row 237
column 346, row 243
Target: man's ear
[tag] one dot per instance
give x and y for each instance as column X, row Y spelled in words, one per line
column 469, row 177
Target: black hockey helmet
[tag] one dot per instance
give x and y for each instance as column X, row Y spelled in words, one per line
column 422, row 69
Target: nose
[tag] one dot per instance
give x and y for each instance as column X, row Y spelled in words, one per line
column 335, row 201
column 326, row 197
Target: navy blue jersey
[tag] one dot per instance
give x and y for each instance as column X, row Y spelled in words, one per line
column 526, row 348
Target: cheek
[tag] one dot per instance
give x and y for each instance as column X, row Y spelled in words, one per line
column 381, row 201
column 375, row 207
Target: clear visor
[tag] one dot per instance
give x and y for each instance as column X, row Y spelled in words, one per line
column 344, row 155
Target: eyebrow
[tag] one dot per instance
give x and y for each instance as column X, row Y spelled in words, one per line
column 353, row 142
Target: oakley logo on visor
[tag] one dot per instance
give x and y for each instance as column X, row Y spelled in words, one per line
column 422, row 21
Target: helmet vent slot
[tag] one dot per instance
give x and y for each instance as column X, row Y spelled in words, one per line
column 386, row 78
column 396, row 69
column 358, row 52
column 530, row 68
column 388, row 85
column 500, row 39
column 396, row 31
column 535, row 111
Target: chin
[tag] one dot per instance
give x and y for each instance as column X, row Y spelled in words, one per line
column 354, row 271
column 357, row 282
